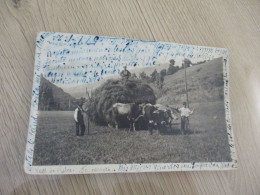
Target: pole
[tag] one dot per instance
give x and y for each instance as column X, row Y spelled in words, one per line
column 87, row 93
column 186, row 85
column 88, row 124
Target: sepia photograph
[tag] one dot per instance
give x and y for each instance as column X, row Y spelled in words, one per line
column 172, row 112
column 107, row 104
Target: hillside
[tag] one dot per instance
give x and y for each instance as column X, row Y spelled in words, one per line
column 52, row 97
column 205, row 84
column 79, row 91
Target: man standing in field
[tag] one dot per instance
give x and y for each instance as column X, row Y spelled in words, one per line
column 185, row 113
column 79, row 119
column 125, row 74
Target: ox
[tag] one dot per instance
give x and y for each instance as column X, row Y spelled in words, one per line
column 130, row 111
column 161, row 119
column 158, row 116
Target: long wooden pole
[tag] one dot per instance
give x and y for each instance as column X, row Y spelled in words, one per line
column 88, row 124
column 186, row 85
column 87, row 93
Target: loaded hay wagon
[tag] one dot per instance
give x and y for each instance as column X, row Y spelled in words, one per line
column 118, row 91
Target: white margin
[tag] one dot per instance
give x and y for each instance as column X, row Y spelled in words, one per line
column 119, row 168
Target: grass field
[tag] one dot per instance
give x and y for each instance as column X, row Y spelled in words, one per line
column 56, row 143
column 205, row 84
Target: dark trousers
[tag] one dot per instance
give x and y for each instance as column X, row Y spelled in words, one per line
column 184, row 123
column 82, row 128
column 125, row 81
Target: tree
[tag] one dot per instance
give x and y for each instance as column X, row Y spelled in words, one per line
column 46, row 101
column 172, row 69
column 143, row 76
column 186, row 63
column 172, row 61
column 133, row 76
column 160, row 78
column 163, row 72
column 154, row 75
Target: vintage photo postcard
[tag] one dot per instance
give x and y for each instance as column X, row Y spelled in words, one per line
column 105, row 104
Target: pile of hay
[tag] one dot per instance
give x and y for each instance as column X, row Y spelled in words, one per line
column 118, row 91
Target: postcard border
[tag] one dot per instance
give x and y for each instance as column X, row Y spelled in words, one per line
column 119, row 168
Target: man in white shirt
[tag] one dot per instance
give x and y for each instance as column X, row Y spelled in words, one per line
column 79, row 119
column 185, row 113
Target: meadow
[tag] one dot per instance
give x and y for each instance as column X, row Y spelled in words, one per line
column 56, row 143
column 207, row 141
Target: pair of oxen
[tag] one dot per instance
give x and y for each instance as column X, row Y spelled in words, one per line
column 154, row 116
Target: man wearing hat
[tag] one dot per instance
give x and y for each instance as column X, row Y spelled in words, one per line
column 79, row 119
column 185, row 113
column 125, row 74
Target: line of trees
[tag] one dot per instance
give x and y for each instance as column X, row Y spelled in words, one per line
column 52, row 97
column 158, row 77
column 46, row 100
